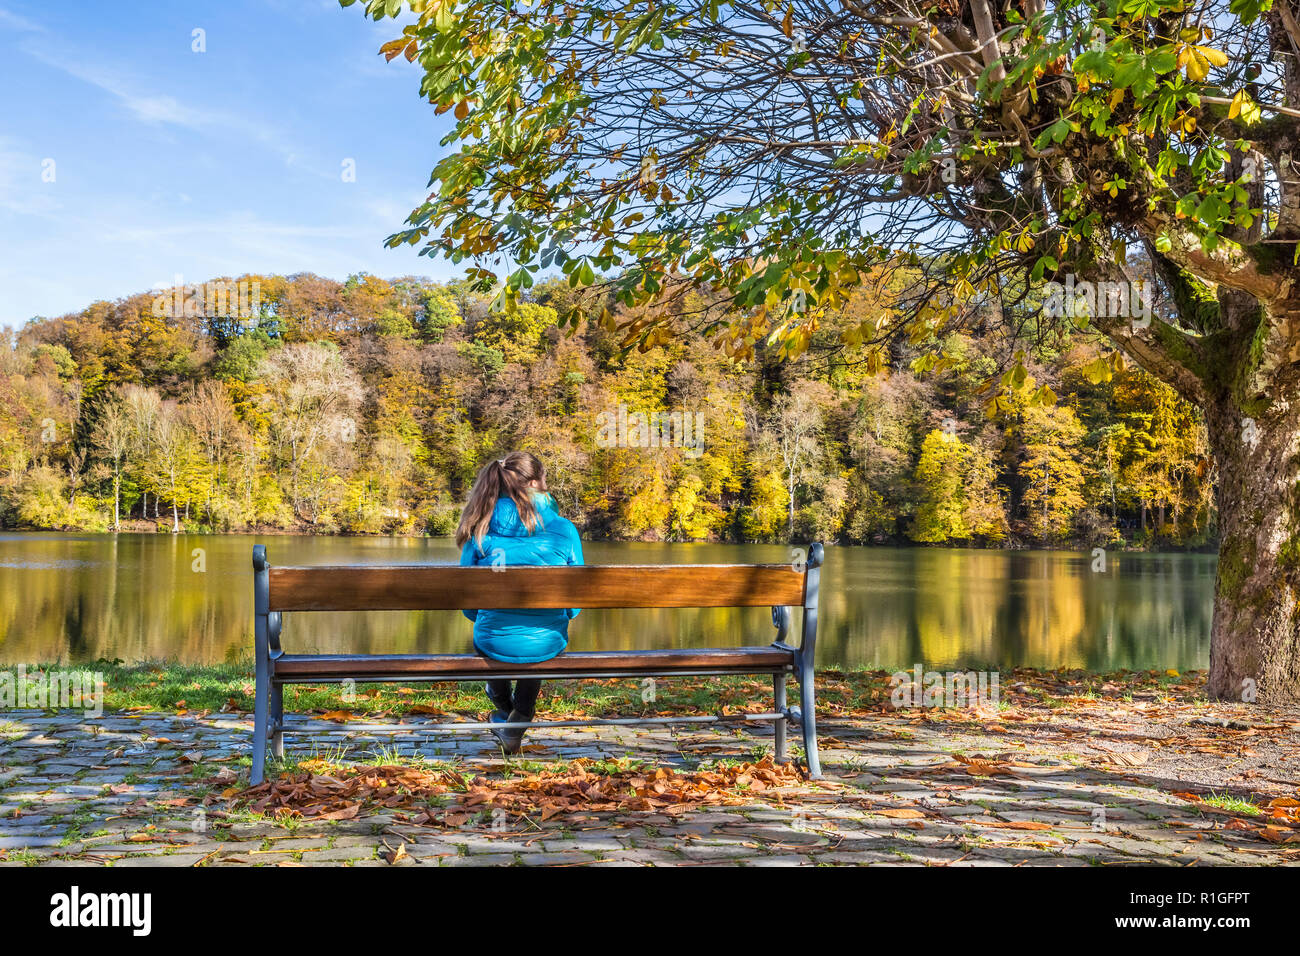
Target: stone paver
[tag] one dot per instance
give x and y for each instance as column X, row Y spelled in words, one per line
column 128, row 791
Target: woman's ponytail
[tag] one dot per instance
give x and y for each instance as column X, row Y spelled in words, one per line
column 512, row 477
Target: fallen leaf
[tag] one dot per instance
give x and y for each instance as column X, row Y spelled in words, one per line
column 346, row 813
column 1279, row 835
column 1131, row 758
column 397, row 854
column 1016, row 825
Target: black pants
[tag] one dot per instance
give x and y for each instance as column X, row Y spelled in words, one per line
column 523, row 699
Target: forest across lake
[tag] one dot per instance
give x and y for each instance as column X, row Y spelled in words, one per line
column 367, row 406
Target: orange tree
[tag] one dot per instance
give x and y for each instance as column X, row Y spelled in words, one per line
column 1024, row 155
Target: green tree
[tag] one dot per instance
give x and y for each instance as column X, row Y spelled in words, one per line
column 312, row 394
column 993, row 150
column 795, row 424
column 1053, row 474
column 941, row 513
column 112, row 438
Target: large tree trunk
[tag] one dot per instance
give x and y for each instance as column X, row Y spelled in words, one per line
column 1255, row 640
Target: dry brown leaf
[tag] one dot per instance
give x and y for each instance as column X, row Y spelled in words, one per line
column 1017, row 825
column 346, row 813
column 1131, row 758
column 1279, row 834
column 569, row 789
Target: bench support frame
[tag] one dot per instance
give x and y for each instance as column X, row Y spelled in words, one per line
column 268, row 710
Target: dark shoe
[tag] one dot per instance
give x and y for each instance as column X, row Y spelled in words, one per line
column 511, row 739
column 500, row 717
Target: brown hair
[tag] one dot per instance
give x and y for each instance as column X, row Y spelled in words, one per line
column 510, row 477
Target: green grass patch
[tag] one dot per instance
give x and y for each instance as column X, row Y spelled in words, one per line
column 1232, row 804
column 171, row 687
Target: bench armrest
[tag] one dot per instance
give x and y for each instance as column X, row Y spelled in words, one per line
column 811, row 568
column 273, row 633
column 266, row 622
column 781, row 621
column 812, row 583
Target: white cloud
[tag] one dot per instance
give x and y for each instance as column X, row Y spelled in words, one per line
column 19, row 24
column 166, row 110
column 147, row 108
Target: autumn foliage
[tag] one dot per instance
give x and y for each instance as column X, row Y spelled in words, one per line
column 367, row 406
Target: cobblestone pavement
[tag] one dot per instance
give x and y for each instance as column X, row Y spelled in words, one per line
column 125, row 790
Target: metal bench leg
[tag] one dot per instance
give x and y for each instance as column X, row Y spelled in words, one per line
column 261, row 708
column 778, row 693
column 262, row 656
column 807, row 658
column 277, row 720
column 808, row 711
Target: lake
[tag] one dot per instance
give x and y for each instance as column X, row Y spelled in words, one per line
column 81, row 597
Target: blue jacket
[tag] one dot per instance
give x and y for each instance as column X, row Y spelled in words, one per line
column 524, row 635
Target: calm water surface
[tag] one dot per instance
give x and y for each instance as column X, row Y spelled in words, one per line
column 77, row 598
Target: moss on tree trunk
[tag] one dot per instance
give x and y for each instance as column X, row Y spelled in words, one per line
column 1255, row 639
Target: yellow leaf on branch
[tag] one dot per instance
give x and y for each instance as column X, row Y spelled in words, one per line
column 1199, row 59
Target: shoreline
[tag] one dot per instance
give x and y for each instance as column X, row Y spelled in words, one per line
column 897, row 545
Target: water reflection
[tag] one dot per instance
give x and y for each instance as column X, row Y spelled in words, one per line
column 139, row 597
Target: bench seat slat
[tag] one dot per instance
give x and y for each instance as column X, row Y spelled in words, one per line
column 442, row 587
column 459, row 666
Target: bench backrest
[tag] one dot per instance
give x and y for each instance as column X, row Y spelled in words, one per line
column 420, row 588
column 450, row 588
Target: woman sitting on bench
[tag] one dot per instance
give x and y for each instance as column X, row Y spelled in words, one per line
column 511, row 519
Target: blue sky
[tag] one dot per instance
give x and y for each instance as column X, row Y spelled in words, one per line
column 170, row 162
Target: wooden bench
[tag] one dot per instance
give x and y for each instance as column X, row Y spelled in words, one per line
column 452, row 588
